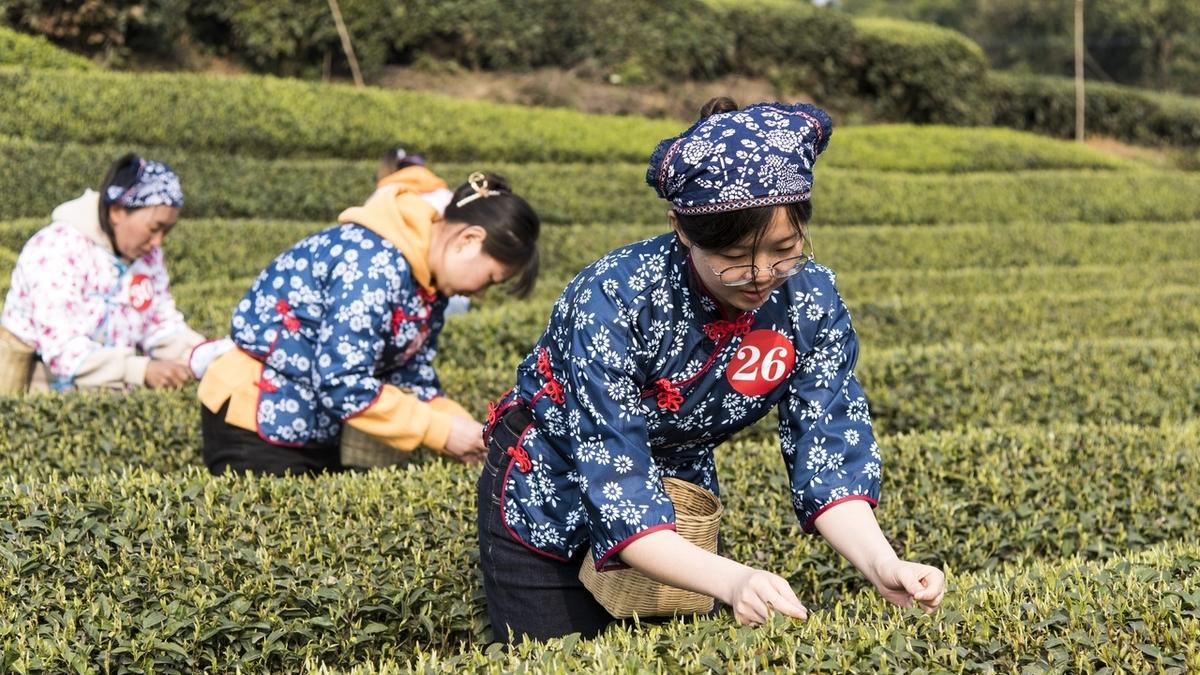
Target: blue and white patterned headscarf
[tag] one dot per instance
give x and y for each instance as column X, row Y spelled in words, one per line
column 156, row 184
column 761, row 155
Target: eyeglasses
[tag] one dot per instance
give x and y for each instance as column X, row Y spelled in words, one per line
column 740, row 275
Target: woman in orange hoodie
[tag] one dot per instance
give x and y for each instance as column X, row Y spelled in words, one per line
column 342, row 328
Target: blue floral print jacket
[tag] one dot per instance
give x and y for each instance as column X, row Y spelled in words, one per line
column 333, row 320
column 638, row 375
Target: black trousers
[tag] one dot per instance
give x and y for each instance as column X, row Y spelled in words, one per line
column 227, row 447
column 528, row 594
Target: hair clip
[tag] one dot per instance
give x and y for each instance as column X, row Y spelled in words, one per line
column 479, row 184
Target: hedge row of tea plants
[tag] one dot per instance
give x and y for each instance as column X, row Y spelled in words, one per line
column 1135, row 380
column 19, row 49
column 893, row 70
column 219, row 186
column 1017, row 255
column 275, row 118
column 40, row 172
column 878, row 285
column 1136, row 614
column 1032, row 377
column 936, row 148
column 1046, row 104
column 132, row 568
column 908, row 320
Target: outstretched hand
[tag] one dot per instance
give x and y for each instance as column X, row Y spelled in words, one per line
column 757, row 593
column 170, row 374
column 465, row 442
column 903, row 582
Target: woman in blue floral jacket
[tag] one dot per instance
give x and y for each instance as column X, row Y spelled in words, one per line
column 656, row 354
column 342, row 329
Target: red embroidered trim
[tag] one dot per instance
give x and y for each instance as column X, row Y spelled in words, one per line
column 290, row 321
column 427, row 300
column 519, row 453
column 266, row 385
column 496, row 411
column 669, row 397
column 720, row 329
column 668, row 392
column 522, row 456
column 553, row 388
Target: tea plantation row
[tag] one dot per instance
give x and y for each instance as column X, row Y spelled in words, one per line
column 136, row 568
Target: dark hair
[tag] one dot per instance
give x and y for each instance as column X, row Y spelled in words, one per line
column 121, row 173
column 395, row 159
column 511, row 224
column 719, row 231
column 717, row 104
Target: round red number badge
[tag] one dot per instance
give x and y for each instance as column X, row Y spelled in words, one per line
column 763, row 360
column 141, row 292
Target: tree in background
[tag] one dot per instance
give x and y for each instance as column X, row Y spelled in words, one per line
column 1145, row 43
column 1153, row 43
column 112, row 30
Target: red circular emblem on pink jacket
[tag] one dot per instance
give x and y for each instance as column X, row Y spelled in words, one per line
column 763, row 360
column 141, row 292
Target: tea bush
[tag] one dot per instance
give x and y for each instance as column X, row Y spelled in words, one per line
column 574, row 193
column 945, row 284
column 18, row 49
column 1029, row 356
column 1051, row 616
column 1000, row 257
column 211, row 250
column 177, row 572
column 912, row 388
column 952, row 385
column 907, row 320
column 275, row 118
column 40, row 175
column 920, row 72
column 1047, row 105
column 931, row 148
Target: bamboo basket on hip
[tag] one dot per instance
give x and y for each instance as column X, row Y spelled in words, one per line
column 626, row 592
column 17, row 360
column 360, row 450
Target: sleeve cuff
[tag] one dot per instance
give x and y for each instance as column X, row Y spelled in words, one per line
column 810, row 525
column 606, row 563
column 135, row 370
column 452, row 408
column 403, row 421
column 438, row 432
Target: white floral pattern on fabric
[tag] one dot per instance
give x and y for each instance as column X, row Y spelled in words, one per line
column 634, row 317
column 333, row 320
column 157, row 185
column 758, row 156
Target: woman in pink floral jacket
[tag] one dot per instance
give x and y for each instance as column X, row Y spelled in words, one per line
column 90, row 291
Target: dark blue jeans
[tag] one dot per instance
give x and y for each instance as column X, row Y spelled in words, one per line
column 527, row 594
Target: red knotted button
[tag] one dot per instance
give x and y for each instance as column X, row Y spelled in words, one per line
column 669, row 397
column 523, row 462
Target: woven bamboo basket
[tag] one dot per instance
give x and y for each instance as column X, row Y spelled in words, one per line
column 16, row 363
column 363, row 450
column 627, row 592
